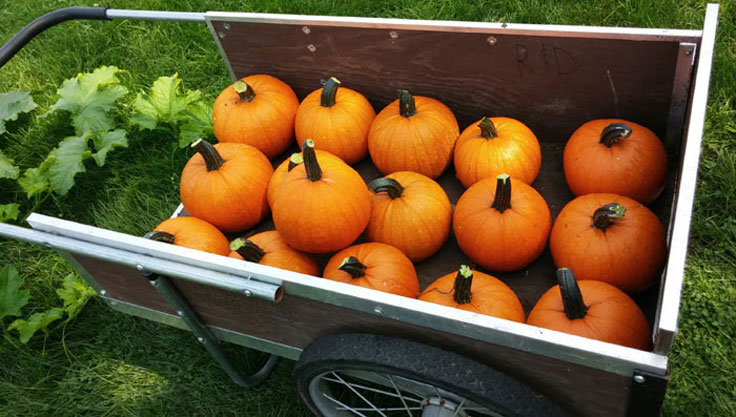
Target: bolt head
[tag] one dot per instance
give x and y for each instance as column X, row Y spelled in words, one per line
column 247, row 293
column 492, row 40
column 639, row 379
column 200, row 339
column 139, row 267
column 306, row 30
column 378, row 310
column 393, row 34
column 103, row 293
column 311, row 48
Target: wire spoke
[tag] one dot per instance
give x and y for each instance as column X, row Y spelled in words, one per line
column 400, row 396
column 391, row 394
column 358, row 394
column 345, row 407
column 382, row 409
column 459, row 407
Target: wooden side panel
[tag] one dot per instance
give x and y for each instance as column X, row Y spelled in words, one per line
column 297, row 321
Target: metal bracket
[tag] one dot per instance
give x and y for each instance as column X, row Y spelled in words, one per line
column 204, row 335
column 647, row 394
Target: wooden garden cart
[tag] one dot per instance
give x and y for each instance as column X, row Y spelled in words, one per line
column 368, row 353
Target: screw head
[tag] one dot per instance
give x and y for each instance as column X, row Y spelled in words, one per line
column 688, row 51
column 247, row 293
column 221, row 34
column 639, row 379
column 492, row 40
column 393, row 34
column 306, row 30
column 226, row 26
column 311, row 48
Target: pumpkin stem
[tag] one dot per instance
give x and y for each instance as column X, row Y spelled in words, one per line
column 248, row 250
column 613, row 132
column 389, row 185
column 407, row 106
column 463, row 281
column 487, row 128
column 212, row 159
column 314, row 172
column 502, row 200
column 159, row 236
column 352, row 266
column 605, row 215
column 294, row 160
column 329, row 92
column 245, row 92
column 575, row 308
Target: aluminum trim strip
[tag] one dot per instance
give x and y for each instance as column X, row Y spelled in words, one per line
column 155, row 15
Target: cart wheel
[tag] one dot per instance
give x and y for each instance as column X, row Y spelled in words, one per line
column 369, row 375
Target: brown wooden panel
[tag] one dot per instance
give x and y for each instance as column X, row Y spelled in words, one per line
column 297, row 321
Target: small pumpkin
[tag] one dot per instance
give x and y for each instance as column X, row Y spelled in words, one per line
column 411, row 212
column 591, row 309
column 413, row 133
column 258, row 110
column 269, row 248
column 494, row 146
column 477, row 292
column 337, row 119
column 610, row 238
column 191, row 232
column 500, row 229
column 226, row 184
column 285, row 167
column 374, row 265
column 321, row 206
column 615, row 156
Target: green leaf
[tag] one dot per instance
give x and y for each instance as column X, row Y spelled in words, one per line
column 37, row 321
column 165, row 103
column 198, row 124
column 36, row 180
column 12, row 104
column 89, row 97
column 67, row 162
column 7, row 169
column 75, row 293
column 12, row 298
column 8, row 212
column 107, row 141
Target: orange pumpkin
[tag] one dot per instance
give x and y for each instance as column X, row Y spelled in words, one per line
column 610, row 238
column 477, row 292
column 257, row 110
column 615, row 156
column 337, row 119
column 285, row 167
column 193, row 233
column 374, row 265
column 321, row 206
column 591, row 309
column 413, row 134
column 226, row 184
column 411, row 212
column 494, row 146
column 498, row 229
column 268, row 248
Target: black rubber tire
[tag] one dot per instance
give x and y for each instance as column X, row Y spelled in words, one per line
column 445, row 370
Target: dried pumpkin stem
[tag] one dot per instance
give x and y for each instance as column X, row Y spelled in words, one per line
column 407, row 106
column 245, row 92
column 502, row 200
column 606, row 215
column 314, row 172
column 389, row 185
column 329, row 92
column 487, row 128
column 160, row 236
column 352, row 266
column 461, row 289
column 572, row 299
column 294, row 160
column 212, row 159
column 611, row 134
column 248, row 250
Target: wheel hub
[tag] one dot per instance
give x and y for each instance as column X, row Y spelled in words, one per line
column 439, row 407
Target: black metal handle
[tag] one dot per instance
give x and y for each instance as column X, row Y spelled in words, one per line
column 17, row 42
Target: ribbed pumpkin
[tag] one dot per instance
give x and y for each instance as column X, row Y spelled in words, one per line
column 374, row 265
column 321, row 206
column 337, row 119
column 494, row 146
column 411, row 212
column 257, row 110
column 500, row 229
column 615, row 156
column 477, row 292
column 193, row 233
column 226, row 184
column 413, row 133
column 268, row 248
column 610, row 238
column 591, row 309
column 285, row 167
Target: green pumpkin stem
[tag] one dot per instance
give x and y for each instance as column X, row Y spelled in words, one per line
column 248, row 250
column 487, row 128
column 572, row 299
column 159, row 236
column 352, row 266
column 212, row 159
column 294, row 160
column 502, row 200
column 245, row 92
column 407, row 106
column 329, row 92
column 611, row 134
column 463, row 281
column 606, row 215
column 389, row 185
column 314, row 172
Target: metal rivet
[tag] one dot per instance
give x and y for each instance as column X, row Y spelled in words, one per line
column 639, row 379
column 393, row 34
column 492, row 40
column 200, row 339
column 247, row 293
column 226, row 26
column 139, row 267
column 378, row 310
column 154, row 283
column 179, row 312
column 311, row 48
column 221, row 34
column 306, row 30
column 688, row 51
column 103, row 293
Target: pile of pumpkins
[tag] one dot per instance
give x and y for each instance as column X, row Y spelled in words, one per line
column 607, row 236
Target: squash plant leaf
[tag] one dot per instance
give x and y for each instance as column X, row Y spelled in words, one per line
column 7, row 169
column 67, row 161
column 12, row 104
column 38, row 321
column 12, row 298
column 198, row 124
column 8, row 212
column 36, row 180
column 75, row 293
column 165, row 103
column 107, row 141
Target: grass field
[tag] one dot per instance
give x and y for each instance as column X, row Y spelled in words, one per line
column 106, row 363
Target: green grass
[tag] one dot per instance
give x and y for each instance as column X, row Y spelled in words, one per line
column 106, row 363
